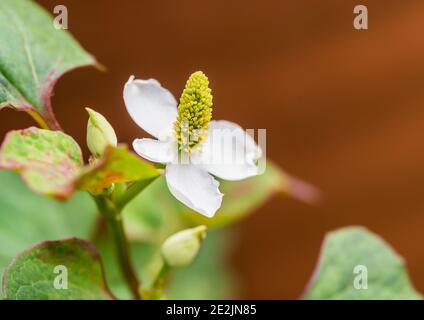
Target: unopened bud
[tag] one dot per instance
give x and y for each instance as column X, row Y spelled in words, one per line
column 181, row 248
column 100, row 133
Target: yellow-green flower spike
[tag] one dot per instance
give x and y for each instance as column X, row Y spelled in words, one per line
column 194, row 112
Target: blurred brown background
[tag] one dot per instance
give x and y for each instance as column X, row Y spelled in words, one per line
column 343, row 109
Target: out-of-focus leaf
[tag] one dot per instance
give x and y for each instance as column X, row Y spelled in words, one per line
column 33, row 56
column 146, row 215
column 346, row 249
column 154, row 214
column 242, row 197
column 117, row 165
column 146, row 260
column 27, row 218
column 48, row 160
column 208, row 277
column 41, row 271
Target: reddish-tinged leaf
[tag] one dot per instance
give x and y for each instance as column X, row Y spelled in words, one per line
column 117, row 165
column 48, row 160
column 33, row 56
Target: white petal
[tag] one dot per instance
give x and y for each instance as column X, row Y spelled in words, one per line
column 194, row 187
column 229, row 152
column 155, row 150
column 151, row 106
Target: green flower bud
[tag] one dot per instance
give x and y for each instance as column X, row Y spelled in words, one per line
column 181, row 248
column 100, row 133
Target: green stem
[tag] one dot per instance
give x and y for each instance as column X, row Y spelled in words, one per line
column 156, row 290
column 114, row 219
column 133, row 191
column 161, row 277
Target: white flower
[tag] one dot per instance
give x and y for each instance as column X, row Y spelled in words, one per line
column 214, row 148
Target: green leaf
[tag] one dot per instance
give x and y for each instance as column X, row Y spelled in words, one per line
column 146, row 260
column 33, row 275
column 27, row 218
column 243, row 197
column 33, row 56
column 155, row 212
column 117, row 165
column 48, row 160
column 345, row 249
column 208, row 277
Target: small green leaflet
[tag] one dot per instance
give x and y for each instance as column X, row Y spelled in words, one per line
column 116, row 166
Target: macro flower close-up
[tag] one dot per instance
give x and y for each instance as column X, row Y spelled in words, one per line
column 220, row 158
column 193, row 147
